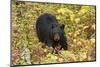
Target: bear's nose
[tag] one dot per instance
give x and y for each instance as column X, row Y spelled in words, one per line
column 56, row 37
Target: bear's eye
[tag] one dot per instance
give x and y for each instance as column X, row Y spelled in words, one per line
column 54, row 26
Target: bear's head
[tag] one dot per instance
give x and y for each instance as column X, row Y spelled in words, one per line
column 57, row 32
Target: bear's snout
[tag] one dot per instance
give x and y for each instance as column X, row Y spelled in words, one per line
column 56, row 37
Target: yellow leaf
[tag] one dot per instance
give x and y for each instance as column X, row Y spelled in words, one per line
column 60, row 60
column 77, row 20
column 72, row 16
column 83, row 10
column 74, row 40
column 93, row 40
column 61, row 10
column 93, row 26
column 58, row 17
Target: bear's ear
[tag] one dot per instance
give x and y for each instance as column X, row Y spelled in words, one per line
column 62, row 26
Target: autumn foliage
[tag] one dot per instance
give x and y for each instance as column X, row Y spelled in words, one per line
column 80, row 30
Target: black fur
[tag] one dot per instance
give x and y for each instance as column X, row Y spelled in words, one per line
column 50, row 32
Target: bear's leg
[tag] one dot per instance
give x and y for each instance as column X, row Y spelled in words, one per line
column 65, row 46
column 49, row 43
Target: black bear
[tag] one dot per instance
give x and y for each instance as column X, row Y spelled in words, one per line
column 50, row 32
